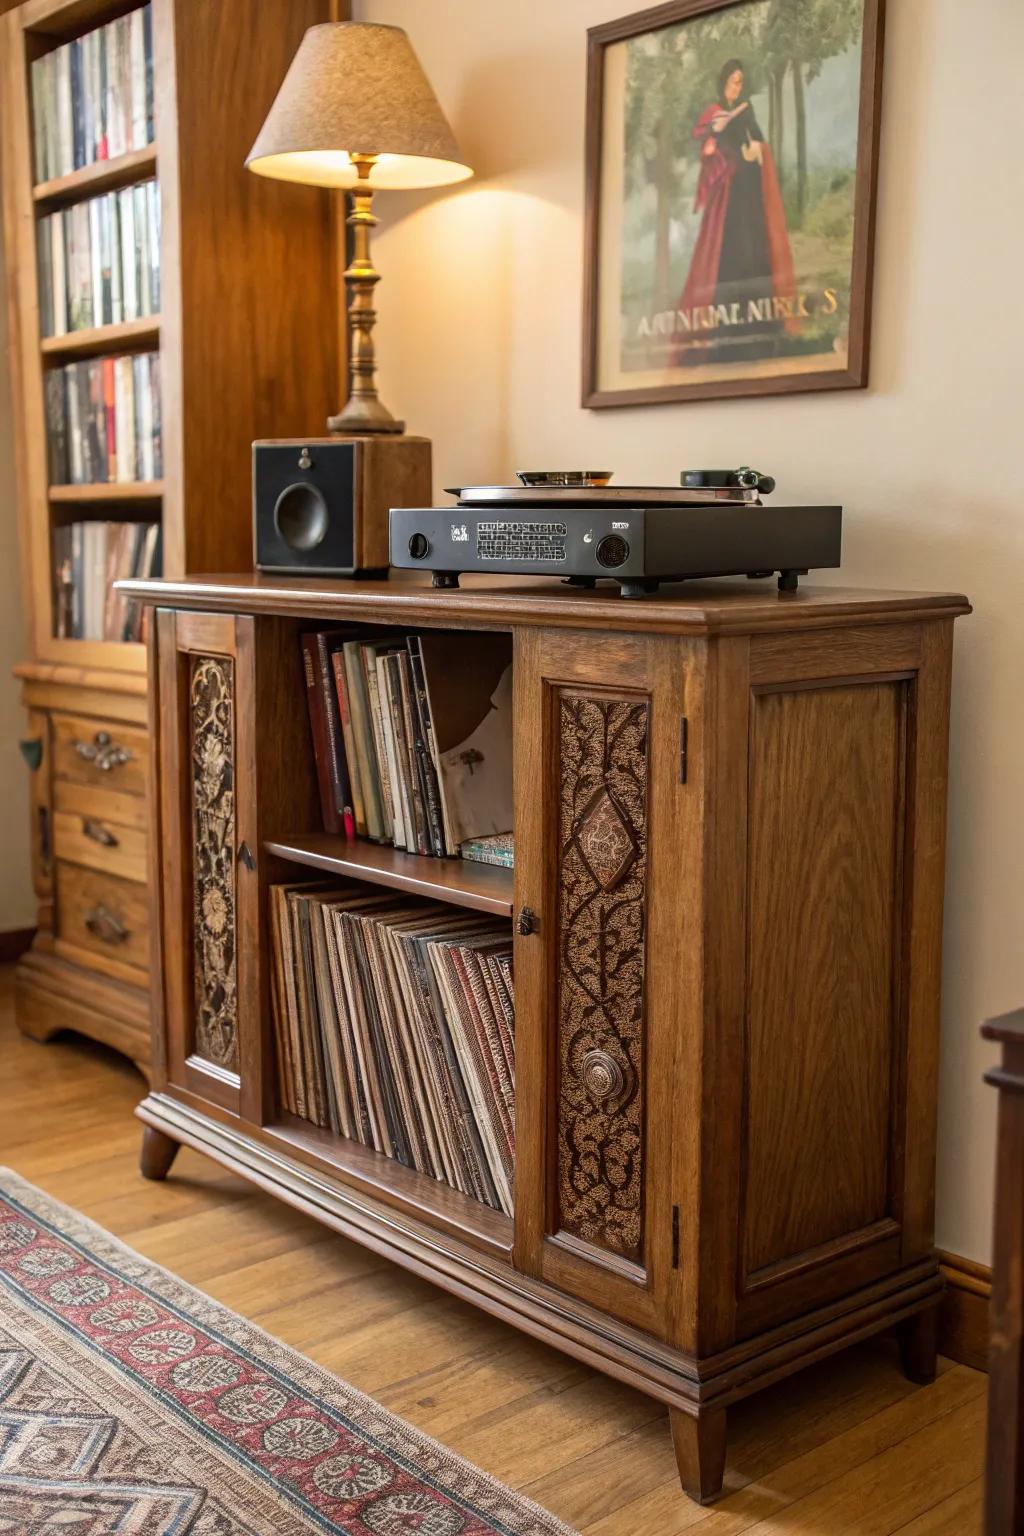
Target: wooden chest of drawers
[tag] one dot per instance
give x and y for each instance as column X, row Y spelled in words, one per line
column 89, row 966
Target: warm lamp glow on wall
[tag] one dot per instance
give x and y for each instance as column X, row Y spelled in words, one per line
column 357, row 112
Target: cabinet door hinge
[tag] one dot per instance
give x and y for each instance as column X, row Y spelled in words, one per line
column 683, row 735
column 675, row 1237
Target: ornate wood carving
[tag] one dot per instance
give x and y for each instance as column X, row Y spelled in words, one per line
column 212, row 730
column 602, row 885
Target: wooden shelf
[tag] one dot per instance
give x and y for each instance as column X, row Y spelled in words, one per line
column 101, row 176
column 483, row 887
column 108, row 491
column 128, row 336
column 428, row 1199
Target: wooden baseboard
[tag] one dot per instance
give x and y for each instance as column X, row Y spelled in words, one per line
column 15, row 941
column 963, row 1316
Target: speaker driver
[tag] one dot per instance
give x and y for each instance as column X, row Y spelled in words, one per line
column 300, row 516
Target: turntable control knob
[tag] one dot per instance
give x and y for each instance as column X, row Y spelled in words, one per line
column 612, row 551
column 419, row 546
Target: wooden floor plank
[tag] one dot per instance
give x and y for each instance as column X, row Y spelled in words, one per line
column 795, row 1474
column 959, row 1515
column 848, row 1446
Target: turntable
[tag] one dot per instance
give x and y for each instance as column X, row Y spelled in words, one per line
column 576, row 525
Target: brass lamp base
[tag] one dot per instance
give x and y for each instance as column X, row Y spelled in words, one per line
column 363, row 411
column 362, row 415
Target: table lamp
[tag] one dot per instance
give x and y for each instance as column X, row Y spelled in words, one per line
column 356, row 111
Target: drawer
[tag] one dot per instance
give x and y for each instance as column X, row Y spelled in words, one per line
column 101, row 803
column 103, row 915
column 102, row 755
column 98, row 842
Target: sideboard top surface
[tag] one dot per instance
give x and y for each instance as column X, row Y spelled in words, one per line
column 705, row 607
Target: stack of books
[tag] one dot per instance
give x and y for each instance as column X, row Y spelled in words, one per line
column 88, row 559
column 103, row 420
column 92, row 98
column 394, row 1028
column 99, row 261
column 412, row 736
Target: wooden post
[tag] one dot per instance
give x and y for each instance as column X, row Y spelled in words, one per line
column 1004, row 1465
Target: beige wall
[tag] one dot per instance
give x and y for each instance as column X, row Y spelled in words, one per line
column 17, row 904
column 480, row 341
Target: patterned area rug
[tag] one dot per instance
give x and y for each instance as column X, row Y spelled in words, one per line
column 131, row 1403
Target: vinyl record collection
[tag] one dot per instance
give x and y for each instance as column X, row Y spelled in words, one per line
column 92, row 98
column 394, row 1028
column 99, row 261
column 88, row 559
column 413, row 738
column 103, row 420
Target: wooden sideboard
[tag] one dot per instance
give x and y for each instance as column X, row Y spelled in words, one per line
column 748, row 1185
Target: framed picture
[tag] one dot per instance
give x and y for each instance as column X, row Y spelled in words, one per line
column 731, row 161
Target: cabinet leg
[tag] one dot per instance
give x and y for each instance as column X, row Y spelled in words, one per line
column 699, row 1440
column 918, row 1340
column 157, row 1154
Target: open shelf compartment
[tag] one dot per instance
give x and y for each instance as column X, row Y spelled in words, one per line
column 481, row 887
column 415, row 1193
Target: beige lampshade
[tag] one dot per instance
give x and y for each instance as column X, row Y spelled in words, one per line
column 356, row 88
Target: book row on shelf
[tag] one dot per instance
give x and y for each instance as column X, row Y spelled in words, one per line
column 103, row 421
column 394, row 1027
column 88, row 558
column 412, row 736
column 99, row 261
column 92, row 98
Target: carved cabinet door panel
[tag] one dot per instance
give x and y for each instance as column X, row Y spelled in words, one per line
column 202, row 679
column 608, row 925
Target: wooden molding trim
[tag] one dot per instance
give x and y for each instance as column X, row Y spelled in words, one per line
column 963, row 1316
column 619, row 1350
column 13, row 944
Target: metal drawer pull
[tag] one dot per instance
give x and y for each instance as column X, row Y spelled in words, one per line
column 43, row 823
column 102, row 924
column 99, row 833
column 32, row 752
column 103, row 752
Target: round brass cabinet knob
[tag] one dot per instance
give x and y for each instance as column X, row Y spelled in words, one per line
column 601, row 1075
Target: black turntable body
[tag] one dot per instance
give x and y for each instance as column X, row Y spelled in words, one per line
column 637, row 536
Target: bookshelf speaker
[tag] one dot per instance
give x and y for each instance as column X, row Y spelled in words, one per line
column 320, row 504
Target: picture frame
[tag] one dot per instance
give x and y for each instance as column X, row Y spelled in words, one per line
column 718, row 263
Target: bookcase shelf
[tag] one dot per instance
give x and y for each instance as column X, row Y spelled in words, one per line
column 106, row 491
column 101, row 176
column 220, row 232
column 482, row 887
column 399, row 1186
column 127, row 336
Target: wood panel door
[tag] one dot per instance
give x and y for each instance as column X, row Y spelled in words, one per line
column 207, row 840
column 608, row 937
column 824, row 917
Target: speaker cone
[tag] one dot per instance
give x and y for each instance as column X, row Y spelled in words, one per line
column 300, row 516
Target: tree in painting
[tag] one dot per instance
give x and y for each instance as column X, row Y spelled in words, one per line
column 797, row 40
column 782, row 154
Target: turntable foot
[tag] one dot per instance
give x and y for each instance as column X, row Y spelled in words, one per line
column 444, row 579
column 790, row 580
column 639, row 588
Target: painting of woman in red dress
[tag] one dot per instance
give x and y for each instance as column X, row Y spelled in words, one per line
column 742, row 253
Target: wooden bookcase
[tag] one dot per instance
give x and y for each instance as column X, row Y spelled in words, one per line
column 727, row 912
column 249, row 347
